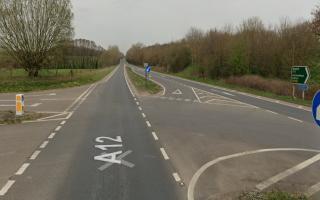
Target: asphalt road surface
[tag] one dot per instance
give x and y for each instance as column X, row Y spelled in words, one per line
column 192, row 142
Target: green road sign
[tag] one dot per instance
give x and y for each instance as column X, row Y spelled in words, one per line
column 300, row 74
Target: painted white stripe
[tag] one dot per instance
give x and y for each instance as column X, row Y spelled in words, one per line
column 44, row 144
column 6, row 187
column 313, row 190
column 176, row 177
column 298, row 120
column 164, row 153
column 63, row 123
column 155, row 136
column 35, row 155
column 144, row 115
column 148, row 124
column 187, row 100
column 58, row 128
column 269, row 111
column 140, row 108
column 35, row 105
column 22, row 169
column 286, row 173
column 52, row 135
column 138, row 103
column 196, row 94
column 227, row 93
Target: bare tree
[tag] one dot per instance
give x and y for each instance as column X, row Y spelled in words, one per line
column 31, row 29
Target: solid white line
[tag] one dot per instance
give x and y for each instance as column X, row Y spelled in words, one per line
column 164, row 153
column 176, row 177
column 126, row 79
column 288, row 172
column 22, row 169
column 63, row 122
column 148, row 124
column 52, row 135
column 313, row 190
column 269, row 111
column 140, row 108
column 227, row 93
column 298, row 120
column 6, row 187
column 196, row 94
column 44, row 144
column 58, row 128
column 144, row 115
column 155, row 136
column 35, row 155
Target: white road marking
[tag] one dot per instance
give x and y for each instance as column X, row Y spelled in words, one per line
column 196, row 94
column 140, row 108
column 44, row 144
column 269, row 111
column 196, row 176
column 22, row 169
column 227, row 93
column 148, row 124
column 63, row 122
column 177, row 92
column 313, row 190
column 52, row 135
column 35, row 155
column 179, row 99
column 176, row 177
column 144, row 115
column 58, row 128
column 288, row 172
column 187, row 100
column 298, row 120
column 138, row 103
column 164, row 154
column 135, row 99
column 35, row 105
column 155, row 136
column 6, row 187
column 126, row 79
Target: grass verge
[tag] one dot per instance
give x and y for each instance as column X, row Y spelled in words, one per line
column 273, row 195
column 9, row 117
column 18, row 81
column 141, row 85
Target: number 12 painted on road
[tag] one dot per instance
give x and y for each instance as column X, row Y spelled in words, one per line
column 109, row 157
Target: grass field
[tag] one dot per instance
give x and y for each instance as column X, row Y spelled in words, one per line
column 18, row 81
column 141, row 85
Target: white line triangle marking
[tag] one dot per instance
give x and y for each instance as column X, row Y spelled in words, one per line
column 178, row 92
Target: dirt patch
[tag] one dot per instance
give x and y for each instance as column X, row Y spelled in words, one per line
column 9, row 117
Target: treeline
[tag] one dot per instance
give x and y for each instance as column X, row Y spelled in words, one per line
column 250, row 48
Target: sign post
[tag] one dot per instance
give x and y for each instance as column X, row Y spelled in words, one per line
column 300, row 75
column 19, row 104
column 147, row 73
column 316, row 108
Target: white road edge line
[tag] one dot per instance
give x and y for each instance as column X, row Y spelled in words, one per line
column 298, row 120
column 227, row 93
column 22, row 169
column 6, row 187
column 269, row 111
column 51, row 136
column 44, row 144
column 176, row 177
column 164, row 154
column 58, row 128
column 148, row 124
column 35, row 155
column 63, row 122
column 267, row 183
column 313, row 190
column 155, row 136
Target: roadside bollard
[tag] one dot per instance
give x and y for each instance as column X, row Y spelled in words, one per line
column 19, row 104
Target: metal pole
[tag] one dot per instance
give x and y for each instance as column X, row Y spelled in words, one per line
column 293, row 91
column 303, row 95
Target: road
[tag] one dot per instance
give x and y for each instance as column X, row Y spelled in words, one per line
column 193, row 141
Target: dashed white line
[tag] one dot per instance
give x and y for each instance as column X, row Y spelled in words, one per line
column 164, row 153
column 138, row 103
column 140, row 108
column 35, row 155
column 176, row 177
column 187, row 100
column 22, row 169
column 144, row 115
column 226, row 93
column 155, row 136
column 63, row 122
column 44, row 144
column 58, row 128
column 269, row 111
column 313, row 190
column 51, row 136
column 148, row 124
column 298, row 120
column 6, row 187
column 288, row 172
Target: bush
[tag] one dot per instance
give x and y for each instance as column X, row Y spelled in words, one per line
column 274, row 195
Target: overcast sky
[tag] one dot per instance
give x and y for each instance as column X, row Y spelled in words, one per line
column 125, row 22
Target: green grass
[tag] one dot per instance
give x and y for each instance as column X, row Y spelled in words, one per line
column 273, row 195
column 141, row 85
column 18, row 81
column 188, row 74
column 9, row 117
